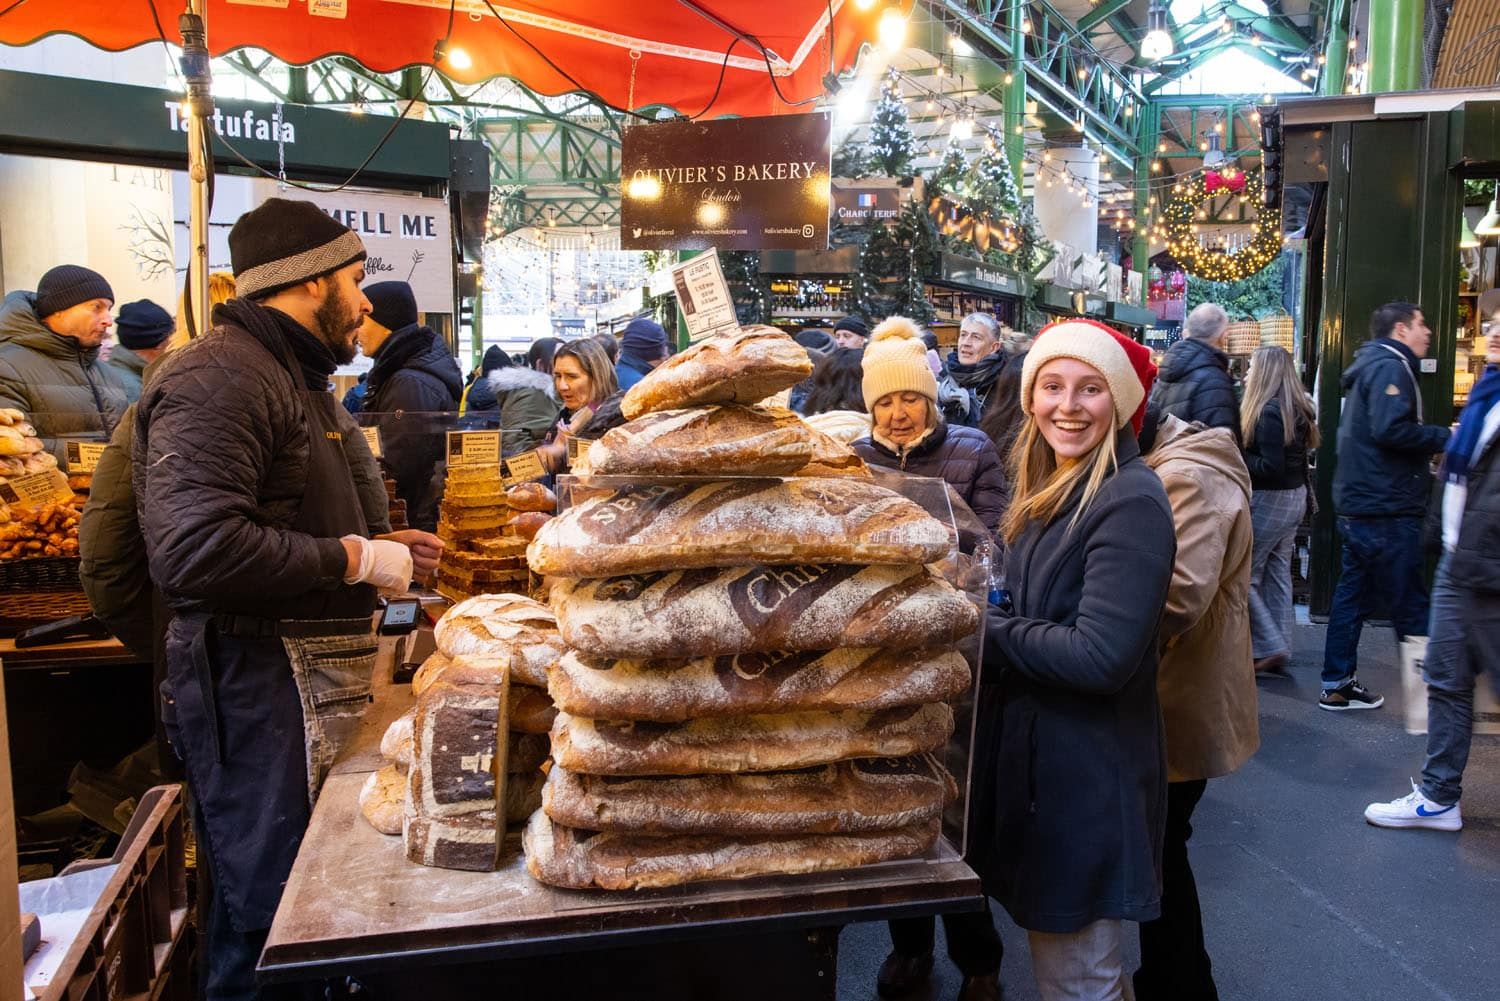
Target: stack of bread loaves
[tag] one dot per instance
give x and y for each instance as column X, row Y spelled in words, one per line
column 35, row 527
column 757, row 666
column 485, row 529
column 451, row 782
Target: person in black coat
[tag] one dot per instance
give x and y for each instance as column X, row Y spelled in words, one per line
column 1078, row 755
column 978, row 362
column 415, row 374
column 1380, row 489
column 1194, row 383
column 901, row 393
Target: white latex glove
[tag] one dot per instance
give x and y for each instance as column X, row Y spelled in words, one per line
column 383, row 563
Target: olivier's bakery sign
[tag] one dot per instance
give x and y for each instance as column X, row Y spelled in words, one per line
column 732, row 184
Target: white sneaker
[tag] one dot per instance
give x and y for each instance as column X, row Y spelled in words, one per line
column 1415, row 810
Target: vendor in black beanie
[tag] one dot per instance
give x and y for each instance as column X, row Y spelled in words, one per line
column 142, row 328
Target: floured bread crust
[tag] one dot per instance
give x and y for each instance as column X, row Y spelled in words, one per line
column 746, row 743
column 382, row 799
column 649, row 528
column 744, row 367
column 563, row 856
column 736, row 684
column 395, row 745
column 705, row 441
column 867, row 794
column 510, row 627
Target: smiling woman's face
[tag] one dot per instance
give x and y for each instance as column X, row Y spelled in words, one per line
column 1072, row 407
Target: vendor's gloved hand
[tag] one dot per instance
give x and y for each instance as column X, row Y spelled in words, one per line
column 383, row 563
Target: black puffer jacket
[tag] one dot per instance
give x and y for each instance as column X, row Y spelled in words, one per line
column 1194, row 385
column 413, row 371
column 1384, row 448
column 1475, row 561
column 219, row 463
column 962, row 456
column 1273, row 464
column 1079, row 780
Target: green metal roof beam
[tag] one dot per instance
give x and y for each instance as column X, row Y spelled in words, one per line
column 1283, row 33
column 1103, row 12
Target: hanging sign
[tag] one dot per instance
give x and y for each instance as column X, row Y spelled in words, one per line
column 703, row 298
column 857, row 205
column 734, row 184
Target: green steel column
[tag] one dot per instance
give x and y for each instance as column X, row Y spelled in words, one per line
column 296, row 85
column 1337, row 57
column 476, row 329
column 1145, row 144
column 1395, row 51
column 1015, row 94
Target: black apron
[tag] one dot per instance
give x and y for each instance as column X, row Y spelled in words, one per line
column 258, row 704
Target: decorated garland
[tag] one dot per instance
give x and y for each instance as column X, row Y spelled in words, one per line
column 1217, row 265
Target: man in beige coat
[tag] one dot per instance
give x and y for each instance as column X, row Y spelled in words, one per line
column 1206, row 682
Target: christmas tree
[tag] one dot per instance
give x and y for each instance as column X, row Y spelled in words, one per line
column 891, row 142
column 951, row 170
column 993, row 184
column 851, row 160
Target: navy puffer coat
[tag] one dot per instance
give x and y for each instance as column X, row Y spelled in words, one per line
column 963, row 457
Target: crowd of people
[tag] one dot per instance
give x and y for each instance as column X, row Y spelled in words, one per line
column 1146, row 516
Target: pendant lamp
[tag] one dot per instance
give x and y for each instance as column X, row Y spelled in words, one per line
column 1490, row 224
column 1466, row 238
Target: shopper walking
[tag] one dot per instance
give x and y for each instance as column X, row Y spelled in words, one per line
column 907, row 432
column 256, row 536
column 977, row 363
column 1079, row 778
column 1380, row 492
column 584, row 379
column 642, row 347
column 1205, row 682
column 143, row 328
column 1278, row 428
column 1194, row 383
column 49, row 356
column 520, row 401
column 1465, row 638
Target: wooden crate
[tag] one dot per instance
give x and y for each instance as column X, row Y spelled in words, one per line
column 128, row 947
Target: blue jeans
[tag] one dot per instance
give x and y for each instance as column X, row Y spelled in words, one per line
column 1464, row 634
column 1381, row 569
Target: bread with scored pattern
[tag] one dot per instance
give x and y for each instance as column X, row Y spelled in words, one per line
column 743, row 367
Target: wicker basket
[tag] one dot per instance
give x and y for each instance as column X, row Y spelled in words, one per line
column 43, row 573
column 1279, row 331
column 1243, row 337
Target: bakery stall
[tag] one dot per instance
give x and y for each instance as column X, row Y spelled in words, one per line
column 740, row 716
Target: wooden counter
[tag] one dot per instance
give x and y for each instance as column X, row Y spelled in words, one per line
column 79, row 654
column 353, row 903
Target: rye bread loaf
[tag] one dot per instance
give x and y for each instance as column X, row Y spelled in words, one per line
column 564, row 856
column 469, row 841
column 509, row 626
column 746, row 743
column 705, row 441
column 382, row 799
column 458, row 762
column 708, row 613
column 736, row 684
column 744, row 367
column 867, row 794
column 652, row 527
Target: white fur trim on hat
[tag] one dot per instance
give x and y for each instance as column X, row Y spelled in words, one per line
column 1086, row 343
column 895, row 361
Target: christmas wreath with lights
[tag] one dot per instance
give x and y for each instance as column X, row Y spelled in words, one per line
column 1181, row 217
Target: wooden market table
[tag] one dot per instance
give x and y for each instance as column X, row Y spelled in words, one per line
column 355, row 907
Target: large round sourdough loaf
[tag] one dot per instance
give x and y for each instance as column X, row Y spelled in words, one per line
column 744, row 367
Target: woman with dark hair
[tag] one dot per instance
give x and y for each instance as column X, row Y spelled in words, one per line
column 584, row 379
column 836, row 381
column 539, row 356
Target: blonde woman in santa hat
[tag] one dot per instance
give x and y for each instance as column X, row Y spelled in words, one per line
column 1079, row 787
column 907, row 431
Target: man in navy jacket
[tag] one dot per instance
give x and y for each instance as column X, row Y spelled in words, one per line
column 1380, row 491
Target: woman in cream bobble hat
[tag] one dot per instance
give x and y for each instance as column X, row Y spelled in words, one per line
column 1080, row 783
column 907, row 431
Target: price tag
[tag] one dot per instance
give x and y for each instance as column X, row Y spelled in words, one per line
column 703, row 297
column 523, row 468
column 372, row 438
column 83, row 456
column 467, row 448
column 576, row 447
column 36, row 490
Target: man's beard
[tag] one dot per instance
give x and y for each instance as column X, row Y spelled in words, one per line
column 336, row 321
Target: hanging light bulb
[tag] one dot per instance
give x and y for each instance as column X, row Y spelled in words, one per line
column 1157, row 43
column 892, row 29
column 1466, row 238
column 1214, row 156
column 1490, row 224
column 963, row 129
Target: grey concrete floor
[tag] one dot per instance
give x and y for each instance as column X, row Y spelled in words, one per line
column 1301, row 898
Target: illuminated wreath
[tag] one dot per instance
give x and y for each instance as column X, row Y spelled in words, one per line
column 1181, row 216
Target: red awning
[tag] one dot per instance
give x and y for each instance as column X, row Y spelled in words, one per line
column 656, row 52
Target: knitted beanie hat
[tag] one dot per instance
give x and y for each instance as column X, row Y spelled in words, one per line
column 1125, row 364
column 853, row 324
column 392, row 304
column 143, row 324
column 895, row 361
column 68, row 285
column 644, row 339
column 283, row 242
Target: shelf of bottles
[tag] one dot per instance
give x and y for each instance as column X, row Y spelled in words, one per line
column 811, row 298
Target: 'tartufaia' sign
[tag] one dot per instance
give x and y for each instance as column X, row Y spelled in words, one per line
column 732, row 184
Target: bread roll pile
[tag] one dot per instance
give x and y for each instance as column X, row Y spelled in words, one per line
column 485, row 529
column 758, row 668
column 451, row 782
column 28, row 532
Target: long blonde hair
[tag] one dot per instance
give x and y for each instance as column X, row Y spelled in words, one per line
column 1040, row 488
column 220, row 289
column 1272, row 377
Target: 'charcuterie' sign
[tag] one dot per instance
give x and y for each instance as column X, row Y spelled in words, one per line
column 731, row 184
